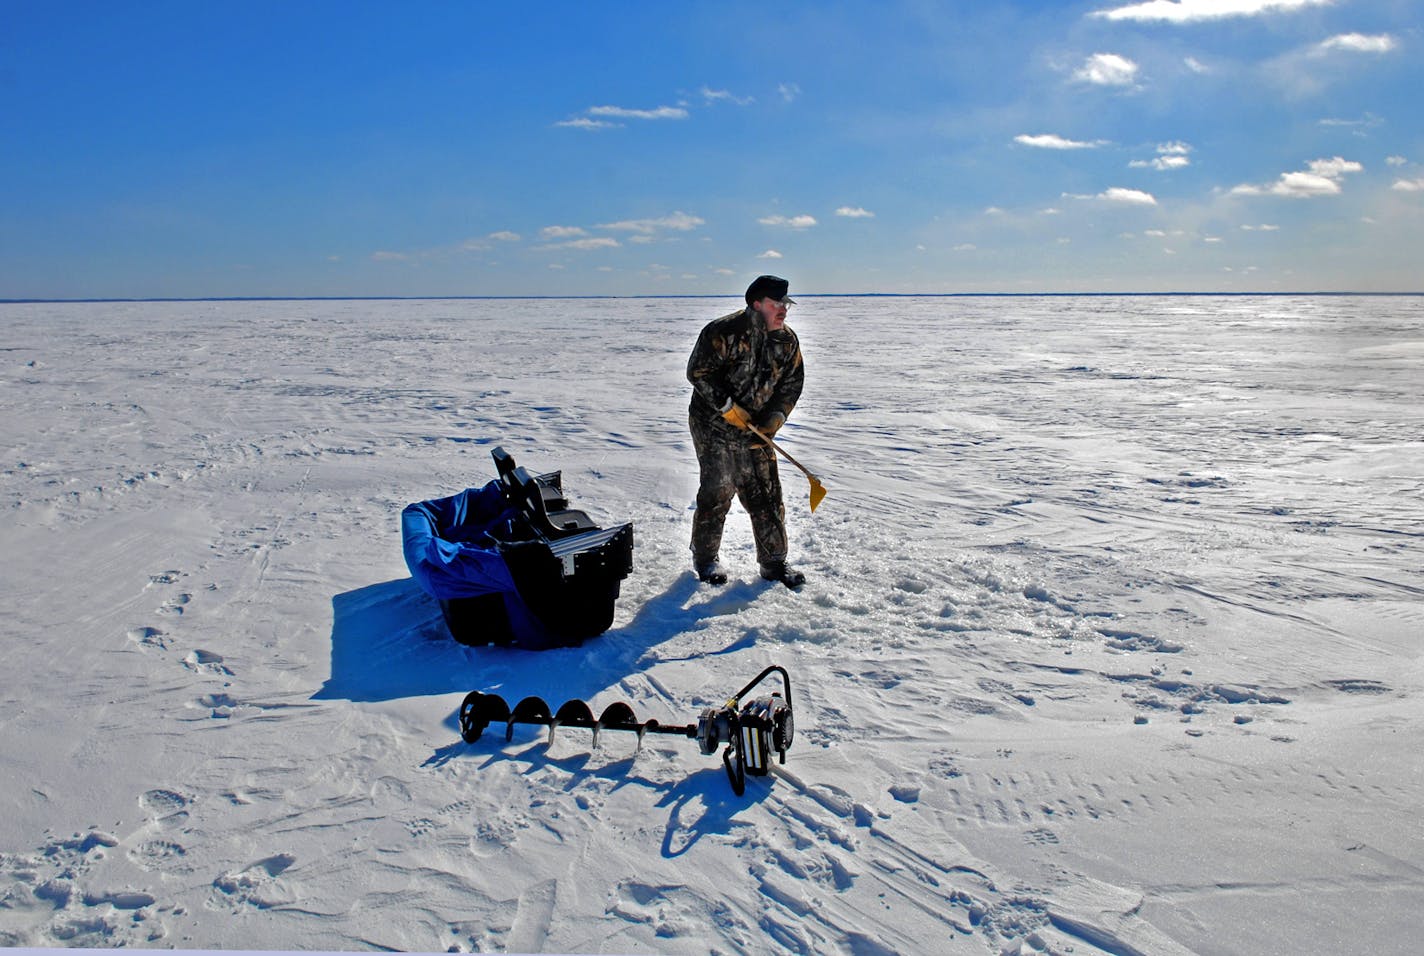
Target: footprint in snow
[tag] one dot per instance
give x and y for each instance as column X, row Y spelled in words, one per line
column 166, row 806
column 206, row 662
column 1357, row 686
column 257, row 884
column 146, row 637
column 1133, row 641
column 223, row 706
column 175, row 605
column 157, row 854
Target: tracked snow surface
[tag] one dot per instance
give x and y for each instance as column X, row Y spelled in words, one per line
column 1111, row 640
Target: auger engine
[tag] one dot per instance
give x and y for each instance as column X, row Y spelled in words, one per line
column 751, row 731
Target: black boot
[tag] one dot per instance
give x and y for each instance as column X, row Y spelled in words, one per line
column 779, row 571
column 711, row 573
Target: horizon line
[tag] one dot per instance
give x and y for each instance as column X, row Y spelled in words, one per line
column 664, row 295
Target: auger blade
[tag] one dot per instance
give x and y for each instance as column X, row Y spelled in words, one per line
column 530, row 710
column 572, row 713
column 478, row 711
column 618, row 716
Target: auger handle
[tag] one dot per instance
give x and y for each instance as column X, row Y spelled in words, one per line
column 785, row 681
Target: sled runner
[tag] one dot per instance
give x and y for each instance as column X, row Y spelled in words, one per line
column 512, row 564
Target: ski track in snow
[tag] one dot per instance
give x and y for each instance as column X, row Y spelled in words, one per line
column 1110, row 642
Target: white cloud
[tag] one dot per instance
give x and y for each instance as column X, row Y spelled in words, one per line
column 1054, row 141
column 993, row 211
column 583, row 245
column 1161, row 163
column 1169, row 156
column 1188, row 11
column 770, row 254
column 1368, row 121
column 561, row 232
column 1119, row 194
column 583, row 122
column 1396, row 160
column 723, row 96
column 1107, row 69
column 965, row 247
column 1334, row 168
column 1134, row 197
column 1309, row 70
column 1196, row 66
column 677, row 221
column 1409, row 185
column 620, row 112
column 791, row 222
column 855, row 212
column 1322, row 178
column 440, row 253
column 1358, row 43
column 598, row 117
column 1295, row 185
column 1264, row 227
column 789, row 91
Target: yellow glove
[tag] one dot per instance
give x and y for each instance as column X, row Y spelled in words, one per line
column 737, row 416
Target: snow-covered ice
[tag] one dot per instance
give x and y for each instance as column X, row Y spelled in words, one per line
column 1111, row 642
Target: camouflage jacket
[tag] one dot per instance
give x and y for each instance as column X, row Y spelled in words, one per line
column 737, row 360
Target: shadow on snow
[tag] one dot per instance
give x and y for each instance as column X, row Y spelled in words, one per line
column 388, row 642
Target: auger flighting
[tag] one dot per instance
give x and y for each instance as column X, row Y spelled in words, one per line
column 751, row 731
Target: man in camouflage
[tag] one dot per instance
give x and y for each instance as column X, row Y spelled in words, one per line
column 745, row 370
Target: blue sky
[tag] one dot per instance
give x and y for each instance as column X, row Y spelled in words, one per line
column 480, row 148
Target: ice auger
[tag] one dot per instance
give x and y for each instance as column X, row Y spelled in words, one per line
column 751, row 731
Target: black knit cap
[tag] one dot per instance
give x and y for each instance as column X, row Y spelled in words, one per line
column 769, row 287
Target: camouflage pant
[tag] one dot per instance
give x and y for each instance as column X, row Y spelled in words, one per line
column 735, row 464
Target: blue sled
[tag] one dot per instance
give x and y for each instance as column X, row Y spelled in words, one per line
column 512, row 564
